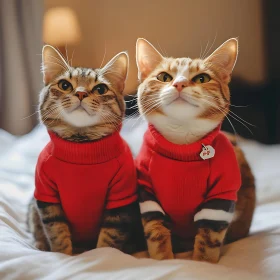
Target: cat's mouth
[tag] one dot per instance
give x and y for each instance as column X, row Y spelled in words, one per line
column 183, row 100
column 81, row 108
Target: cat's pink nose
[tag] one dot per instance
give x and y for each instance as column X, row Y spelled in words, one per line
column 180, row 85
column 81, row 95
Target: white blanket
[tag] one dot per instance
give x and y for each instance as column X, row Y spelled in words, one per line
column 256, row 257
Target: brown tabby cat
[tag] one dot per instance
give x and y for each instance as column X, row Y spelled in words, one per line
column 184, row 101
column 82, row 107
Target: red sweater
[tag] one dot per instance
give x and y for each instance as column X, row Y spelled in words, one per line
column 86, row 178
column 181, row 180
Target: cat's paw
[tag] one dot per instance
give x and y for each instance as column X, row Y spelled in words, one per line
column 64, row 248
column 68, row 252
column 169, row 256
column 162, row 255
column 206, row 254
column 42, row 246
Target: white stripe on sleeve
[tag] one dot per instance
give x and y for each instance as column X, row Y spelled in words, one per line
column 214, row 215
column 150, row 206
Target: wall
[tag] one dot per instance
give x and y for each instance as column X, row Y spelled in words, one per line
column 178, row 27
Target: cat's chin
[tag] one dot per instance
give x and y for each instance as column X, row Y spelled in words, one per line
column 181, row 110
column 80, row 118
column 183, row 101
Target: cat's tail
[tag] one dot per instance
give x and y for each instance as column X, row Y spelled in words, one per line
column 246, row 197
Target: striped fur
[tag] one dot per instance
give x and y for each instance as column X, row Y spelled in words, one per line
column 81, row 120
column 184, row 118
column 208, row 242
column 95, row 116
column 158, row 235
column 121, row 228
column 50, row 228
column 212, row 220
column 156, row 225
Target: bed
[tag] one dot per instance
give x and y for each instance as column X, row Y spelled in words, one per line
column 255, row 257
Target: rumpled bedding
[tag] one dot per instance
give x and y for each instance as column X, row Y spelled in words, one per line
column 255, row 257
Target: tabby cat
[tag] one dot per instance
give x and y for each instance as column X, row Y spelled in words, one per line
column 85, row 195
column 188, row 173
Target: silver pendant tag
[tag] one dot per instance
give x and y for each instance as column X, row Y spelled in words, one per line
column 207, row 152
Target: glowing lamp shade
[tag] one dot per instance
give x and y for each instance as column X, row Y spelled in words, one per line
column 61, row 27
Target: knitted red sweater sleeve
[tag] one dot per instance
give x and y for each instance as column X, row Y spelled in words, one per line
column 142, row 163
column 225, row 179
column 45, row 189
column 122, row 190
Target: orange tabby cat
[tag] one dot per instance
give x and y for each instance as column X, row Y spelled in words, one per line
column 185, row 101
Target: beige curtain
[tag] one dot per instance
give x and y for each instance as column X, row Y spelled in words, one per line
column 20, row 49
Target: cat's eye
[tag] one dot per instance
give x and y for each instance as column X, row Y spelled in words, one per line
column 201, row 79
column 65, row 85
column 164, row 77
column 101, row 89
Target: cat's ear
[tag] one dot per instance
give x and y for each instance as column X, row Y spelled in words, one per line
column 147, row 58
column 116, row 70
column 224, row 57
column 53, row 63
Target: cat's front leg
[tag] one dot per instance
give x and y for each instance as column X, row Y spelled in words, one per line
column 121, row 228
column 55, row 227
column 212, row 221
column 156, row 227
column 208, row 243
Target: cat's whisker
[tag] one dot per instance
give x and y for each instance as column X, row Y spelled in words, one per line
column 221, row 110
column 238, row 116
column 151, row 99
column 241, row 118
column 72, row 58
column 214, row 105
column 148, row 112
column 29, row 115
column 152, row 107
column 53, row 107
column 66, row 51
column 213, row 97
column 205, row 49
column 200, row 50
column 131, row 117
column 56, row 117
column 49, row 112
column 134, row 106
column 129, row 101
column 210, row 46
column 239, row 106
column 165, row 54
column 111, row 118
column 232, row 105
column 132, row 95
column 103, row 56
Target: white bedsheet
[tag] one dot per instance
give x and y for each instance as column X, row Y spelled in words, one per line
column 256, row 257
